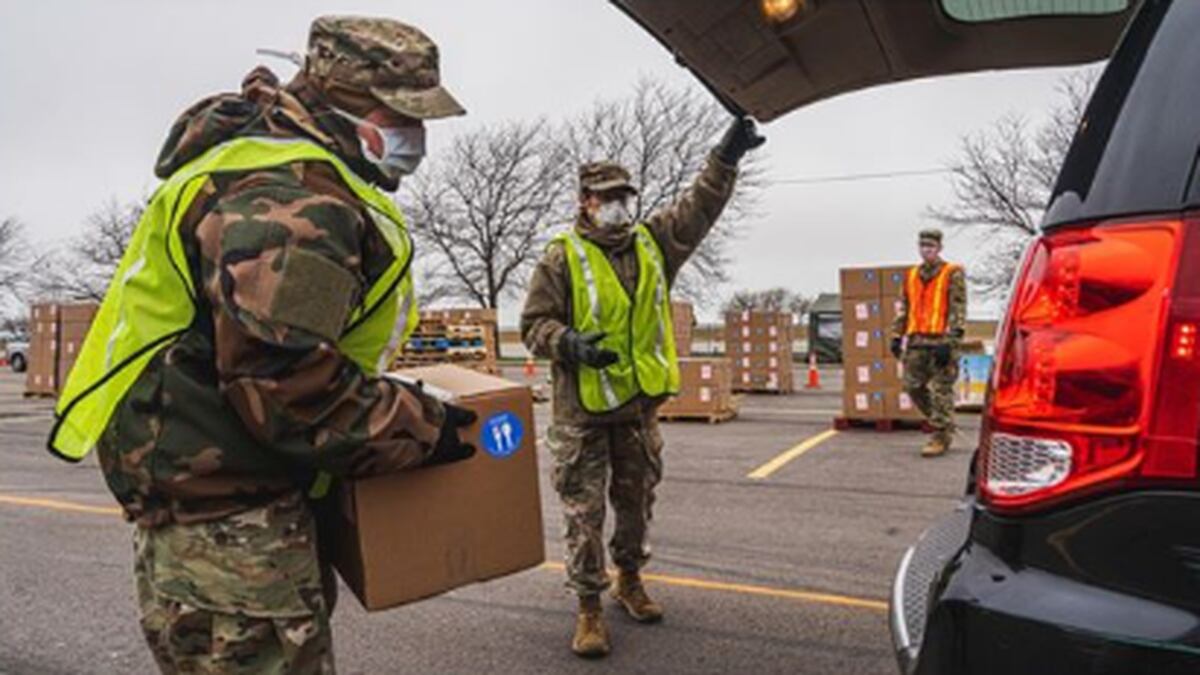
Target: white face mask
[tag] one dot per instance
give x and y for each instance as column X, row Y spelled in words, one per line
column 403, row 147
column 615, row 213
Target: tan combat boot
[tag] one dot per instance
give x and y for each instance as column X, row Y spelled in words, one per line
column 937, row 445
column 591, row 635
column 631, row 594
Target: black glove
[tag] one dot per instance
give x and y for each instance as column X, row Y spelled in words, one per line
column 957, row 334
column 575, row 348
column 741, row 137
column 897, row 347
column 451, row 448
column 941, row 356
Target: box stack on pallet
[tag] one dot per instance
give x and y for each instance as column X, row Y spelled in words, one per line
column 759, row 343
column 873, row 379
column 705, row 384
column 463, row 337
column 705, row 392
column 56, row 335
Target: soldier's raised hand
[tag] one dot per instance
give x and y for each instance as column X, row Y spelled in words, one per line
column 741, row 137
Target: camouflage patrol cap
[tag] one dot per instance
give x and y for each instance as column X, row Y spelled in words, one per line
column 395, row 62
column 604, row 177
column 930, row 236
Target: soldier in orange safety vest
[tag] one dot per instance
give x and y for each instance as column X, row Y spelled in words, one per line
column 926, row 336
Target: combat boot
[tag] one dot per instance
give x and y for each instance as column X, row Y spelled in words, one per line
column 591, row 635
column 631, row 594
column 937, row 445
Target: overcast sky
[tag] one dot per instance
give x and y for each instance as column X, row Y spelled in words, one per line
column 89, row 90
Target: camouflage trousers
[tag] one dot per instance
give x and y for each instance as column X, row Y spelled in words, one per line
column 242, row 594
column 624, row 460
column 931, row 388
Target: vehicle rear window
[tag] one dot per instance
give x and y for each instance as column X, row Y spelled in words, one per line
column 979, row 11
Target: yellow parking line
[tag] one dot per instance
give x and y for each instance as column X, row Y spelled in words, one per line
column 684, row 582
column 774, row 465
column 752, row 589
column 59, row 505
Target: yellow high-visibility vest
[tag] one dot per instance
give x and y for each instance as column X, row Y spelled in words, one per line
column 151, row 300
column 639, row 329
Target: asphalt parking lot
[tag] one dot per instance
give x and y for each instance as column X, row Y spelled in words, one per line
column 788, row 573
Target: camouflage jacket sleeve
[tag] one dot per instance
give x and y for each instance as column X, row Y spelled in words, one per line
column 547, row 305
column 956, row 309
column 283, row 257
column 681, row 227
column 900, row 323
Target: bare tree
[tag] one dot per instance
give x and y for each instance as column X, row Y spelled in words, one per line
column 663, row 135
column 14, row 259
column 774, row 299
column 1003, row 179
column 483, row 208
column 82, row 269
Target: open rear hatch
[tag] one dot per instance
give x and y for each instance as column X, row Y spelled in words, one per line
column 769, row 57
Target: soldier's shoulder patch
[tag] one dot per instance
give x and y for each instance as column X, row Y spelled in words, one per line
column 315, row 294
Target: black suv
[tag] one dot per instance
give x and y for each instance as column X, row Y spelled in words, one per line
column 1077, row 547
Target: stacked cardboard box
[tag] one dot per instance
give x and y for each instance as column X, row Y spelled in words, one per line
column 462, row 336
column 682, row 320
column 705, row 391
column 56, row 335
column 41, row 375
column 74, row 322
column 759, row 343
column 874, row 379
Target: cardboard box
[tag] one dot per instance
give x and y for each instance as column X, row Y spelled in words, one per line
column 893, row 373
column 863, row 404
column 682, row 321
column 891, row 280
column 419, row 533
column 890, row 308
column 705, row 388
column 898, row 406
column 864, row 343
column 865, row 374
column 860, row 282
column 859, row 313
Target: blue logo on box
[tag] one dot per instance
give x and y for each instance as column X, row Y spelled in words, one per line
column 501, row 434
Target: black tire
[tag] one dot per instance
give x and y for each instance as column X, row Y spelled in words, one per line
column 17, row 363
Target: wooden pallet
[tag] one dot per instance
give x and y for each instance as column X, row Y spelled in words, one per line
column 711, row 417
column 752, row 390
column 40, row 394
column 884, row 424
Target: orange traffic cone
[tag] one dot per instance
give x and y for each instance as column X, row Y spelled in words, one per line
column 814, row 375
column 529, row 366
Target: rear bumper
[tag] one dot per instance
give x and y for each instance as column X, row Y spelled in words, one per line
column 917, row 575
column 975, row 613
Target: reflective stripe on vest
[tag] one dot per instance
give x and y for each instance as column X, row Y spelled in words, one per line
column 639, row 331
column 151, row 300
column 928, row 302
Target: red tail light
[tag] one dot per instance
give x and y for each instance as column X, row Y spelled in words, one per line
column 1097, row 379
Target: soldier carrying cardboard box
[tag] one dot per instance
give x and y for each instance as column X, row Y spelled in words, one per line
column 236, row 357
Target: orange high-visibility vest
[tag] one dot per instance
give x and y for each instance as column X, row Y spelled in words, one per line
column 928, row 302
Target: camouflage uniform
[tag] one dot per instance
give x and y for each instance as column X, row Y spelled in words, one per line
column 213, row 447
column 932, row 387
column 626, row 442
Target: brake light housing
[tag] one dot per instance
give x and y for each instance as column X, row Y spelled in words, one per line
column 1097, row 377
